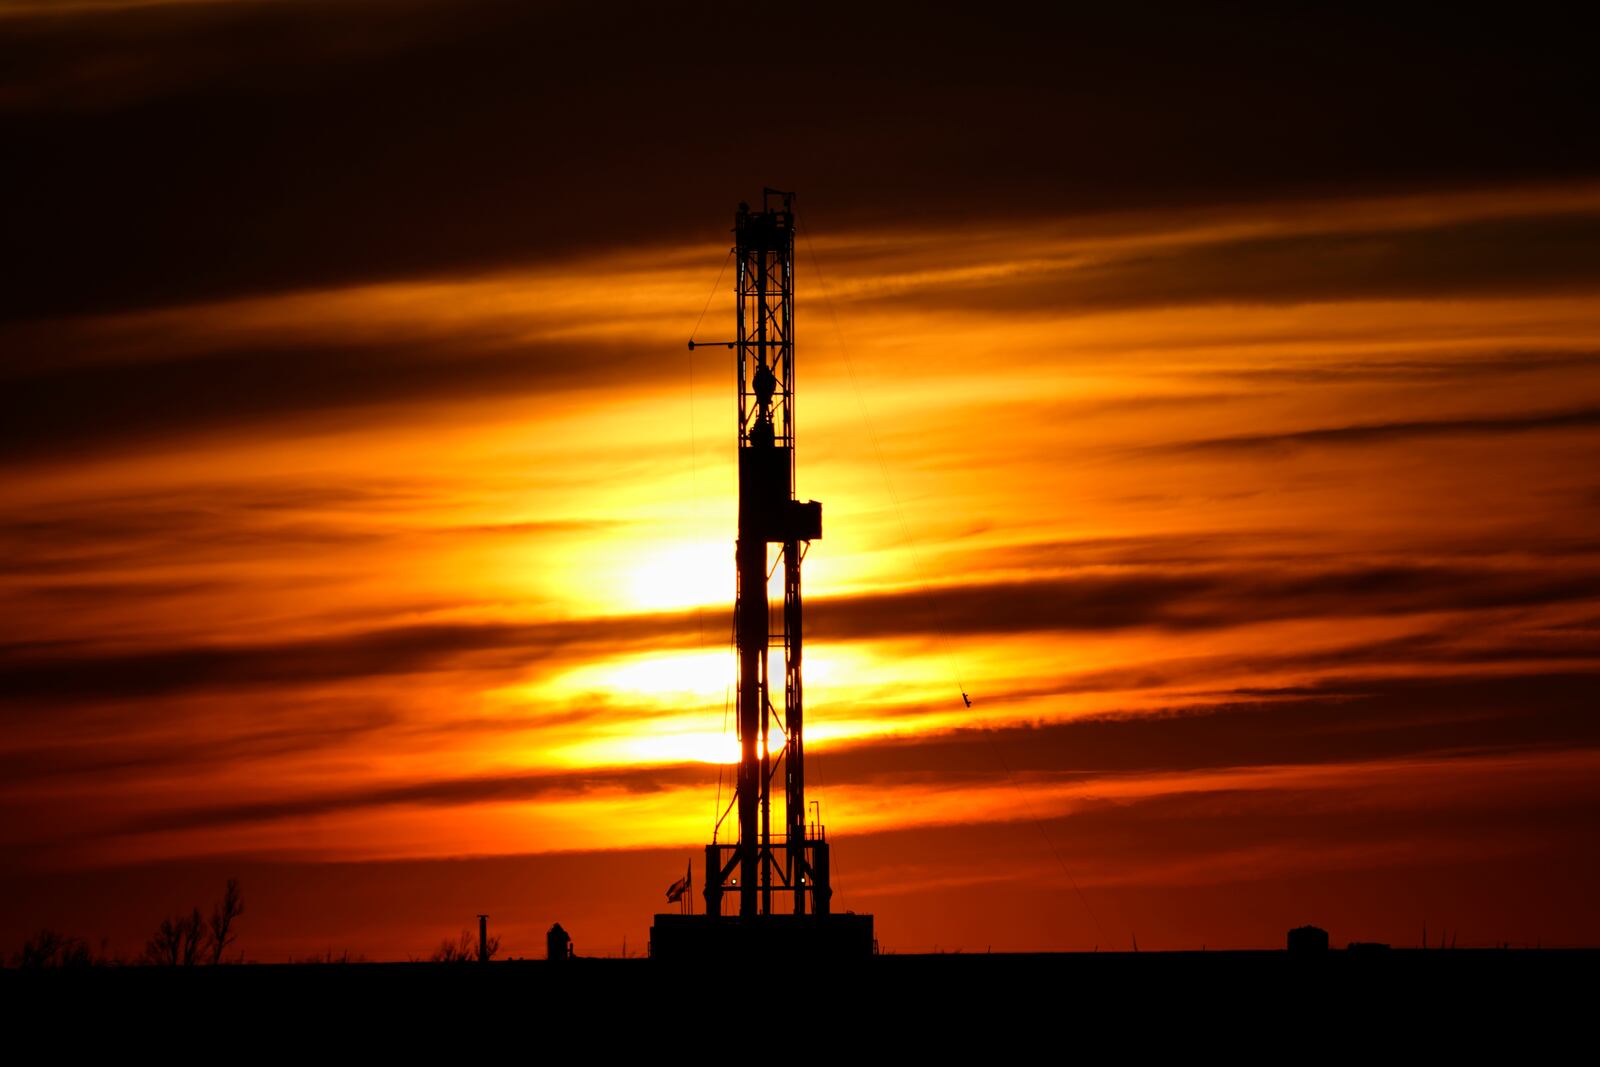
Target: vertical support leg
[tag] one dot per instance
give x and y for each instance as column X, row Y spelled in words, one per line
column 713, row 883
column 794, row 718
column 752, row 640
column 766, row 780
column 764, row 356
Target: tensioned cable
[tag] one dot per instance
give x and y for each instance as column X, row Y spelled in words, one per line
column 939, row 629
column 694, row 474
column 940, row 632
column 720, row 272
column 694, row 435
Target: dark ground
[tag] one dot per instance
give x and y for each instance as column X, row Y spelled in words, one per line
column 1529, row 1001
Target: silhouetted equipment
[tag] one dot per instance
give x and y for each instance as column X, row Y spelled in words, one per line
column 1308, row 940
column 1367, row 946
column 783, row 874
column 557, row 945
column 483, row 939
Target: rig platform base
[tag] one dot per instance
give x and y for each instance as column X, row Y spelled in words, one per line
column 795, row 937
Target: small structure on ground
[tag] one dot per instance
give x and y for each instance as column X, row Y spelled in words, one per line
column 557, row 945
column 1308, row 940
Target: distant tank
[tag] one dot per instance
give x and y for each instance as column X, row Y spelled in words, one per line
column 557, row 945
column 1308, row 940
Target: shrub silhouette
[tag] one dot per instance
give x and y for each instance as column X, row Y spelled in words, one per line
column 51, row 948
column 463, row 949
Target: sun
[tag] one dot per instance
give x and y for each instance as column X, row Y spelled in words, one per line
column 681, row 575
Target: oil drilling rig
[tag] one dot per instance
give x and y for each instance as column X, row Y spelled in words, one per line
column 768, row 892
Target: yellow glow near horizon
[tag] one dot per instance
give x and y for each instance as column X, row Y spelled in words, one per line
column 677, row 707
column 703, row 676
column 679, row 739
column 690, row 746
column 681, row 575
column 707, row 674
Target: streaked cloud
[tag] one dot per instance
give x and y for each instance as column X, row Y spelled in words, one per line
column 1231, row 450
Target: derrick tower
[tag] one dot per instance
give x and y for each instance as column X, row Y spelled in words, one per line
column 787, row 870
column 769, row 889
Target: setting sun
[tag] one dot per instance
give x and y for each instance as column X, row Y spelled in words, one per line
column 679, row 576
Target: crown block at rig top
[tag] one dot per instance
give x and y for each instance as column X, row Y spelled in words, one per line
column 767, row 893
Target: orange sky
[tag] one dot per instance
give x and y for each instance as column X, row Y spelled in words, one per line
column 1261, row 532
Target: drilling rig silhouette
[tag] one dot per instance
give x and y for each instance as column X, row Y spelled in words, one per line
column 777, row 886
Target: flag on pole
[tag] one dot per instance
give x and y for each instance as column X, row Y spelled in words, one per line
column 677, row 889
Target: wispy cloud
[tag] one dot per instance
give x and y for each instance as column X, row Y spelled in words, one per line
column 1586, row 418
column 439, row 792
column 1182, row 600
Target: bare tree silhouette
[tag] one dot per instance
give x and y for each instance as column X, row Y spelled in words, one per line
column 165, row 946
column 226, row 910
column 189, row 939
column 194, row 933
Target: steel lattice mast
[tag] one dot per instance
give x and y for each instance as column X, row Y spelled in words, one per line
column 782, row 879
column 793, row 862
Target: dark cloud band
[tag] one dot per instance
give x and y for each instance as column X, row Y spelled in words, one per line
column 1179, row 600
